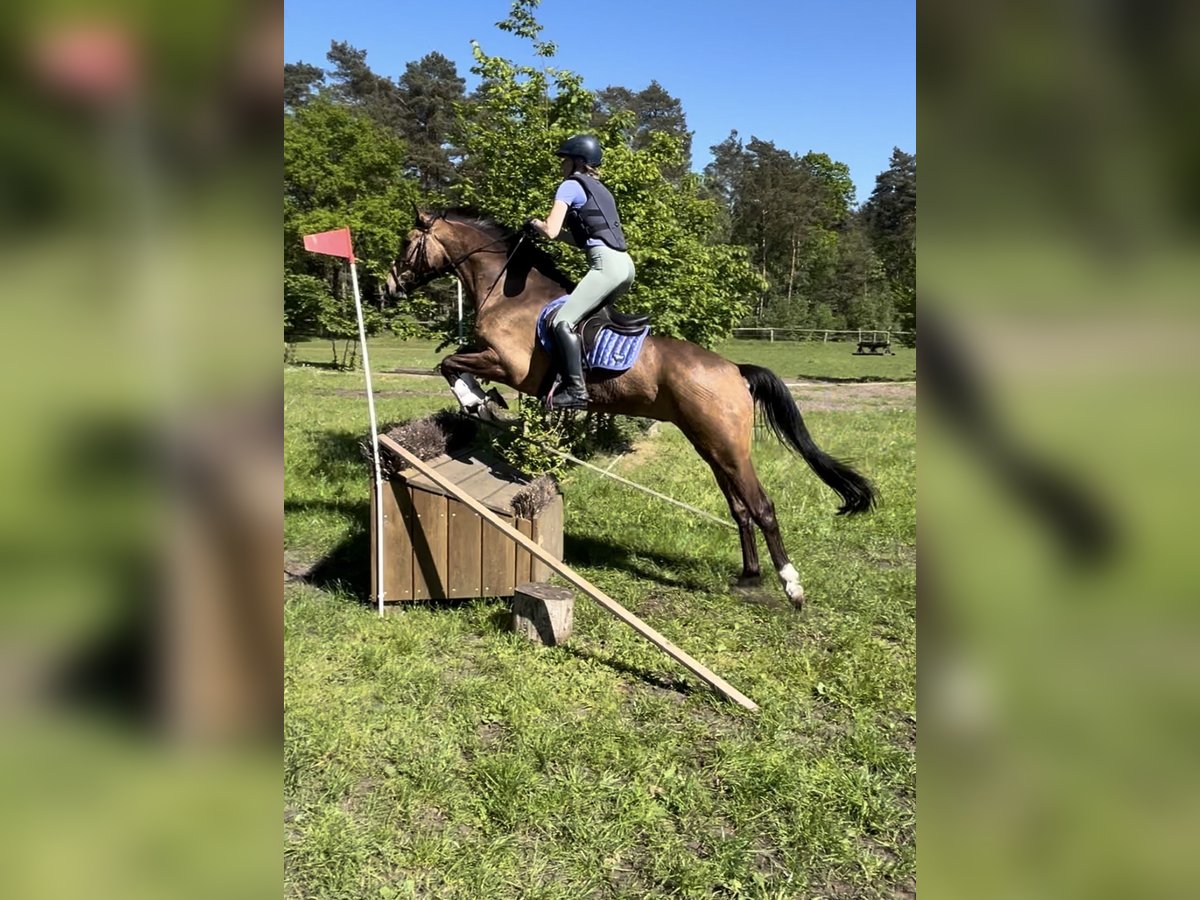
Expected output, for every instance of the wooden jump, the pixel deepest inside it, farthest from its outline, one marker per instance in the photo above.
(708, 677)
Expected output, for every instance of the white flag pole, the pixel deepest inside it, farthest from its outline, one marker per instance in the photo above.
(362, 338)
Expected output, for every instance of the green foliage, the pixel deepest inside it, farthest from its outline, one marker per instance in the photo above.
(299, 81)
(891, 220)
(304, 298)
(765, 237)
(521, 114)
(536, 431)
(654, 110)
(429, 89)
(794, 215)
(522, 23)
(341, 169)
(354, 86)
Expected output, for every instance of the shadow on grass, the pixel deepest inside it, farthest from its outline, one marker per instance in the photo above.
(338, 447)
(313, 364)
(347, 567)
(857, 379)
(662, 570)
(651, 679)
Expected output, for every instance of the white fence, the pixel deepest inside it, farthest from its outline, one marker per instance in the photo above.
(817, 334)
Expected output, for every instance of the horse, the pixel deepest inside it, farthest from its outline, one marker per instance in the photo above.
(509, 279)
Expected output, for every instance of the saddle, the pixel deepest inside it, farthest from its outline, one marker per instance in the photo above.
(621, 323)
(612, 340)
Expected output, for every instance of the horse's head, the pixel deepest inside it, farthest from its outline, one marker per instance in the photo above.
(422, 257)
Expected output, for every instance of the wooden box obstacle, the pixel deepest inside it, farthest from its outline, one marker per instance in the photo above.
(555, 563)
(438, 548)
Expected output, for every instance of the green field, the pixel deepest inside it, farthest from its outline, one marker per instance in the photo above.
(798, 360)
(432, 754)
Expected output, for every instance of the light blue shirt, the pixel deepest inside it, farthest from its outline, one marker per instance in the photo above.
(572, 193)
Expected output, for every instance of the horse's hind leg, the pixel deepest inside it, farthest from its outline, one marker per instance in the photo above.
(765, 517)
(727, 451)
(744, 481)
(751, 572)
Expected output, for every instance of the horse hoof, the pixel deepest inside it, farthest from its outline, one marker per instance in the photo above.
(497, 399)
(795, 593)
(748, 581)
(791, 585)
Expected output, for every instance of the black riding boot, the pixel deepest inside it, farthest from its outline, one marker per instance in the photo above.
(571, 392)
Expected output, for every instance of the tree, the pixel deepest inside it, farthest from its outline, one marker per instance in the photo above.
(299, 80)
(794, 215)
(521, 114)
(354, 85)
(654, 110)
(890, 216)
(429, 91)
(341, 168)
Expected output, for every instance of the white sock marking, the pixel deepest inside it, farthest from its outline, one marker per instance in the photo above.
(791, 583)
(468, 392)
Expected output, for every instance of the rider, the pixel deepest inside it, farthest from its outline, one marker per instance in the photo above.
(587, 209)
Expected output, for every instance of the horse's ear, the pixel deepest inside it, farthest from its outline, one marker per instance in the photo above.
(422, 218)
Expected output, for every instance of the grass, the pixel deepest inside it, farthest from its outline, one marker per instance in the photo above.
(433, 754)
(799, 360)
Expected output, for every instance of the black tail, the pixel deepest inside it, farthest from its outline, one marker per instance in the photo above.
(783, 417)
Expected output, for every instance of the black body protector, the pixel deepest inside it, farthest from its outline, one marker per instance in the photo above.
(597, 218)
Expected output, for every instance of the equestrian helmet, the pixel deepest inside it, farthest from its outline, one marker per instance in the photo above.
(585, 146)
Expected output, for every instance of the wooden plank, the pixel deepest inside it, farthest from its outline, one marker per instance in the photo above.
(501, 499)
(398, 566)
(524, 558)
(498, 560)
(497, 496)
(429, 544)
(610, 605)
(464, 554)
(480, 483)
(454, 469)
(375, 546)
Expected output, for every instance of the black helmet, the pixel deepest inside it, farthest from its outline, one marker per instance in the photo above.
(584, 146)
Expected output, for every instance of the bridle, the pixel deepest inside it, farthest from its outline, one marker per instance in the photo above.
(422, 257)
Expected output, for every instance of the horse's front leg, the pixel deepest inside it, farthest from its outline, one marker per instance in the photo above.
(461, 371)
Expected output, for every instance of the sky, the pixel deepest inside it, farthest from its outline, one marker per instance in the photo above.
(830, 76)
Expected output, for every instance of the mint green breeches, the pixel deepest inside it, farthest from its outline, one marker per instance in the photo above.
(610, 273)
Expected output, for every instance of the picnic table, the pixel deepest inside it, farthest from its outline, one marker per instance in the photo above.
(874, 347)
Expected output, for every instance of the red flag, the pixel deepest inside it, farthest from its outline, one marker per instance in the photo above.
(331, 243)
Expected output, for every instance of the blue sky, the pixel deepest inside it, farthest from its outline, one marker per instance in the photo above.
(836, 77)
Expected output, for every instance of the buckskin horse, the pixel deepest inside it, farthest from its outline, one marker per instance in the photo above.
(710, 399)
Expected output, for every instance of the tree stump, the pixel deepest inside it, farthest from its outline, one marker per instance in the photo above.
(543, 613)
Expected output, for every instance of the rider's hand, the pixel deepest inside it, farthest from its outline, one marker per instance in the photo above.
(535, 228)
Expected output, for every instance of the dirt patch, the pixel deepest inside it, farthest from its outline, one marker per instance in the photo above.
(430, 820)
(823, 397)
(768, 859)
(356, 392)
(490, 734)
(298, 565)
(643, 450)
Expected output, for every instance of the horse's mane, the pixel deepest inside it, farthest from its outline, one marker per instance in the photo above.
(529, 254)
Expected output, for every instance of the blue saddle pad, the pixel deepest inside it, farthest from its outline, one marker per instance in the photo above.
(609, 351)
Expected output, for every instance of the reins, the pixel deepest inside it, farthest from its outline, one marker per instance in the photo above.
(504, 268)
(454, 263)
